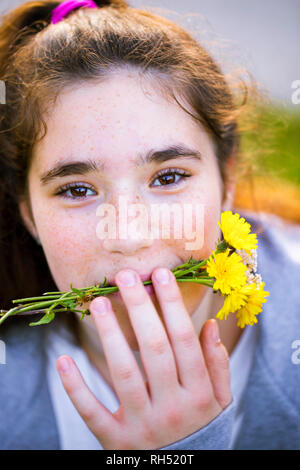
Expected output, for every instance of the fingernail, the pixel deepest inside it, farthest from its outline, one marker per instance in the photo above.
(216, 334)
(100, 305)
(64, 365)
(127, 278)
(162, 276)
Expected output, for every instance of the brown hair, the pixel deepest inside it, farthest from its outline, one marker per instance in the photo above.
(37, 60)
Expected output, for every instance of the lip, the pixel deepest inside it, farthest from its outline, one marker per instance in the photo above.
(143, 277)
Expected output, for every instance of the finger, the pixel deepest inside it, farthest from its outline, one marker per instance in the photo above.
(125, 372)
(156, 352)
(184, 340)
(99, 420)
(217, 360)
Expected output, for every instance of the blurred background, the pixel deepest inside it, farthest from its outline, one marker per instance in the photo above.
(264, 38)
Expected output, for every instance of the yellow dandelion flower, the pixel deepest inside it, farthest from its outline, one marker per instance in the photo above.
(228, 270)
(255, 298)
(232, 303)
(236, 232)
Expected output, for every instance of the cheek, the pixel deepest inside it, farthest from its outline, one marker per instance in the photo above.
(211, 229)
(69, 245)
(200, 232)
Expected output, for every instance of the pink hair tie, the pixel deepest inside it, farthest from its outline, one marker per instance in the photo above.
(65, 7)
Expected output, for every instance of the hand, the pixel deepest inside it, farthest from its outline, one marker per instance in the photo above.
(188, 380)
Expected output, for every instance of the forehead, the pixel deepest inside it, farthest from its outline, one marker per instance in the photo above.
(116, 118)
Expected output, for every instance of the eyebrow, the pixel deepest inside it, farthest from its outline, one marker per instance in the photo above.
(152, 156)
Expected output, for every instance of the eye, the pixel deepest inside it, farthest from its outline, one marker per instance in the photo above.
(170, 176)
(75, 190)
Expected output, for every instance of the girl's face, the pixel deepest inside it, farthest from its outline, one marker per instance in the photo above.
(116, 124)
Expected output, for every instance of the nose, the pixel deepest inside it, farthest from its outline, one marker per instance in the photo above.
(127, 247)
(127, 227)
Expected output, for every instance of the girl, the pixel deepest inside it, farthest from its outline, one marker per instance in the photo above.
(105, 102)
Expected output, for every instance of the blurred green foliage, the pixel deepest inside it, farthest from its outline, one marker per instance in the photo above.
(273, 145)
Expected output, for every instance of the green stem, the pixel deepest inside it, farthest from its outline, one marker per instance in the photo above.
(191, 269)
(34, 298)
(59, 301)
(54, 293)
(54, 299)
(36, 306)
(8, 314)
(182, 266)
(198, 280)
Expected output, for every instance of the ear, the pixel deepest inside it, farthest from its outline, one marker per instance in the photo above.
(228, 200)
(27, 217)
(229, 186)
